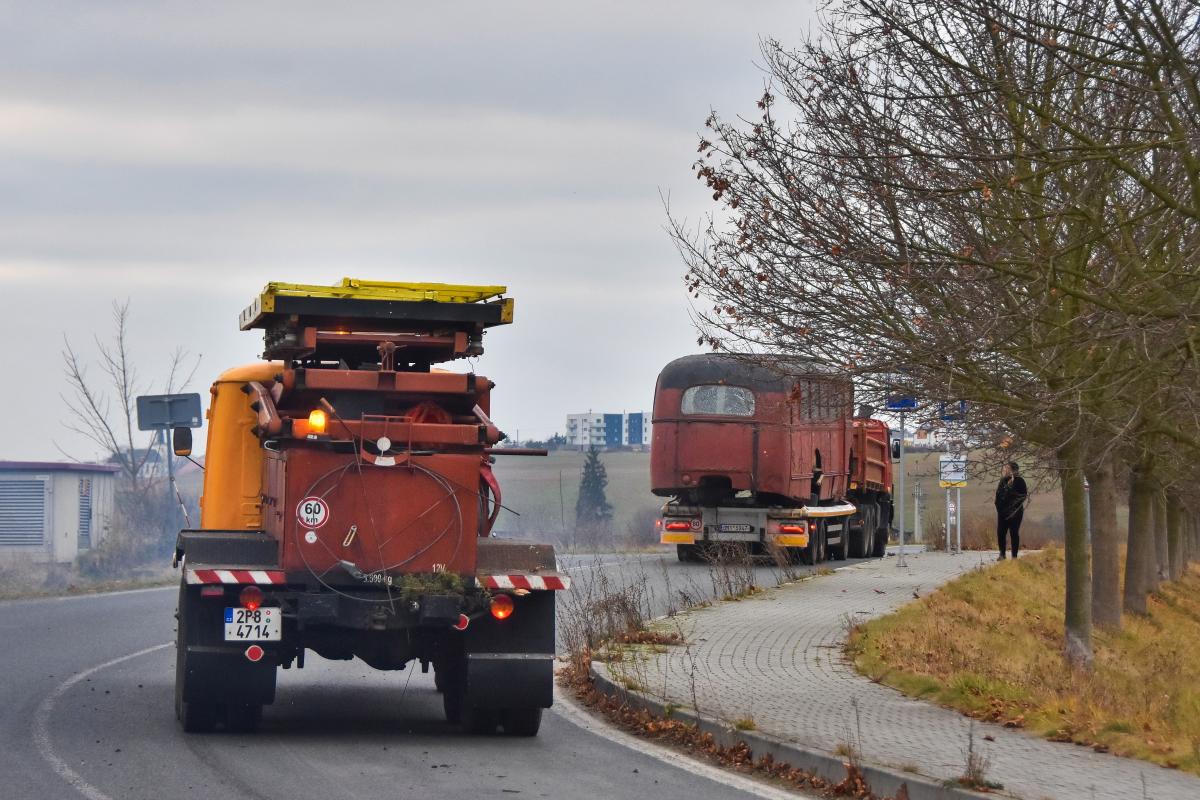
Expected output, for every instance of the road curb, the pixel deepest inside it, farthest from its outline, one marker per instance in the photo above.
(882, 780)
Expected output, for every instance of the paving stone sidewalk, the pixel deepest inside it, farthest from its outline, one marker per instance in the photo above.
(777, 659)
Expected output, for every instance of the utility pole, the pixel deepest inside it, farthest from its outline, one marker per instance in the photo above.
(917, 497)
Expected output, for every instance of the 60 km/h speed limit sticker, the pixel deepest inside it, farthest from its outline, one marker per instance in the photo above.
(313, 512)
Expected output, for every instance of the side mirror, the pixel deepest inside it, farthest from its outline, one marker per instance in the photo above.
(182, 438)
(895, 449)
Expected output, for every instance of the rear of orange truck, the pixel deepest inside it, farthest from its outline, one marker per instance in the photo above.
(347, 510)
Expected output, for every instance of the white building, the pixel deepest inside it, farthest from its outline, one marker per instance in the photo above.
(600, 430)
(51, 511)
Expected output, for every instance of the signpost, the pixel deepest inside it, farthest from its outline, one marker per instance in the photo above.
(952, 470)
(162, 413)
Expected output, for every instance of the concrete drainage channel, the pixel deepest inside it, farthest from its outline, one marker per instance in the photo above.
(882, 780)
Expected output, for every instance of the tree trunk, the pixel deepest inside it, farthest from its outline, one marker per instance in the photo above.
(1162, 553)
(1077, 645)
(1140, 551)
(1174, 536)
(1106, 547)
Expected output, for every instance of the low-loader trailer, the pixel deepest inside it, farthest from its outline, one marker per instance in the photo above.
(347, 509)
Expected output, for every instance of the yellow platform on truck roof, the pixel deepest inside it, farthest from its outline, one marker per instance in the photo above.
(357, 298)
(357, 289)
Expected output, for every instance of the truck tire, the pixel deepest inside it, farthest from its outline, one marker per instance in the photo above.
(882, 524)
(480, 721)
(242, 718)
(194, 717)
(689, 553)
(814, 552)
(456, 709)
(858, 544)
(862, 539)
(521, 721)
(837, 552)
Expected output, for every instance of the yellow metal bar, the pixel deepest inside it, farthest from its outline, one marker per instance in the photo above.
(357, 289)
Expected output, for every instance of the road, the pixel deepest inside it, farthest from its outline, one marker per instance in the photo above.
(86, 702)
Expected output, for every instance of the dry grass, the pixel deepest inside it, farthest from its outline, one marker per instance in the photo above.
(989, 644)
(22, 579)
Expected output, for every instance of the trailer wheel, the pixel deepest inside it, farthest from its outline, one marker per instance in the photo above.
(521, 721)
(837, 552)
(689, 553)
(857, 545)
(194, 717)
(814, 551)
(881, 531)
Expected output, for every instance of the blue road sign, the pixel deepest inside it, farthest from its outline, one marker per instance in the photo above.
(901, 404)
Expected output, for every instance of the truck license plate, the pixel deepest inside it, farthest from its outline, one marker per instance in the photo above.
(257, 625)
(735, 527)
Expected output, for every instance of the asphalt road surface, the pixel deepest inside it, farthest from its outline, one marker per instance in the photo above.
(86, 710)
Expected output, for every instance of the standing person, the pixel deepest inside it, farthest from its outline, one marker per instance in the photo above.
(1010, 507)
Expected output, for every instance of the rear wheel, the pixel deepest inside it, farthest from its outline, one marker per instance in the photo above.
(882, 523)
(858, 544)
(521, 721)
(837, 552)
(243, 718)
(481, 721)
(194, 717)
(689, 553)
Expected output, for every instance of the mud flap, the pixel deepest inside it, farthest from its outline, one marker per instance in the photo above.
(510, 680)
(217, 674)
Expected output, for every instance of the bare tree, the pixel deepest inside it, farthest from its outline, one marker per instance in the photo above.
(946, 207)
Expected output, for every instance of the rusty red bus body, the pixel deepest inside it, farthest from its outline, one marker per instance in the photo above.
(736, 436)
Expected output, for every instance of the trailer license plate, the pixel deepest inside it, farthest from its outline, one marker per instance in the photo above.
(735, 527)
(257, 625)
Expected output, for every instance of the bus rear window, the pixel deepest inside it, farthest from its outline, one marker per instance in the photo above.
(727, 401)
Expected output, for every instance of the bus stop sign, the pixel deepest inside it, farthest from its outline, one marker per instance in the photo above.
(953, 471)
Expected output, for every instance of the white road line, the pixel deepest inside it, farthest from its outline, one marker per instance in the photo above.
(41, 724)
(567, 708)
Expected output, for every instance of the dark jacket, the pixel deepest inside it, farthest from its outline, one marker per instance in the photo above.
(1010, 496)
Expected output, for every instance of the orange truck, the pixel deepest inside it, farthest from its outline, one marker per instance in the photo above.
(347, 509)
(767, 454)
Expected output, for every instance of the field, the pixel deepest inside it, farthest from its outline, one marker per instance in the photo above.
(989, 644)
(542, 493)
(1043, 516)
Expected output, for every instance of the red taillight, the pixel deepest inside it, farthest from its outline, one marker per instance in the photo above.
(679, 525)
(463, 622)
(251, 597)
(212, 591)
(790, 528)
(502, 606)
(812, 527)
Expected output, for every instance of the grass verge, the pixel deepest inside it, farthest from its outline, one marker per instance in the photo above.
(989, 645)
(24, 580)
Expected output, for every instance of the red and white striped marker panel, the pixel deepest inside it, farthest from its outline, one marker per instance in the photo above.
(256, 576)
(551, 582)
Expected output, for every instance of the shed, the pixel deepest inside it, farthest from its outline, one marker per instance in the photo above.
(51, 511)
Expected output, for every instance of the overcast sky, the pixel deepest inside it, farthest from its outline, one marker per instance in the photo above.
(180, 155)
